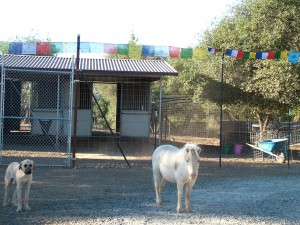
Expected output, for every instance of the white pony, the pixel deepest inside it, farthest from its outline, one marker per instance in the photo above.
(175, 165)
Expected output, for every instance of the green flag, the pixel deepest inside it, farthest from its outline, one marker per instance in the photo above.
(277, 55)
(186, 53)
(56, 47)
(246, 55)
(122, 49)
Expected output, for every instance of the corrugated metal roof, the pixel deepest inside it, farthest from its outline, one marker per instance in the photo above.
(95, 66)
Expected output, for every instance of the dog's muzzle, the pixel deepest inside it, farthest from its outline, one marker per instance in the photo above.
(27, 171)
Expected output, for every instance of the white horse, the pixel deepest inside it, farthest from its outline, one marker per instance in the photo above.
(175, 165)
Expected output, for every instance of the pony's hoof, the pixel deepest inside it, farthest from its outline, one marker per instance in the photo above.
(158, 202)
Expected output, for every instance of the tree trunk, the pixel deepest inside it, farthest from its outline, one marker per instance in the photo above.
(263, 121)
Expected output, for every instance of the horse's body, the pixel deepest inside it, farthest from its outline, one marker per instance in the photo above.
(175, 165)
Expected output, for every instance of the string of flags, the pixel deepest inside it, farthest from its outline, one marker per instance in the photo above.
(292, 56)
(51, 48)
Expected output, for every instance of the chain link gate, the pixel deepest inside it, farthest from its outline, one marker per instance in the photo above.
(36, 116)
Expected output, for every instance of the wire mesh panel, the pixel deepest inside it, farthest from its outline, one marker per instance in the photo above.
(120, 116)
(185, 121)
(36, 116)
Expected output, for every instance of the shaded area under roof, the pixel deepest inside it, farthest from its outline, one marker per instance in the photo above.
(96, 69)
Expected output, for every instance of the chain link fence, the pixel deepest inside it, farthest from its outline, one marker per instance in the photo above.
(36, 113)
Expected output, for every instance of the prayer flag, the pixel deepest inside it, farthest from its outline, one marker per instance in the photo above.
(148, 50)
(43, 48)
(174, 52)
(246, 55)
(161, 51)
(252, 55)
(264, 55)
(277, 55)
(109, 48)
(56, 47)
(84, 47)
(15, 48)
(228, 52)
(96, 47)
(4, 46)
(123, 49)
(294, 57)
(214, 50)
(70, 47)
(284, 54)
(271, 55)
(186, 53)
(234, 53)
(240, 54)
(29, 48)
(258, 55)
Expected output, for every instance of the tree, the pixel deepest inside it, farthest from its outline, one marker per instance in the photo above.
(34, 36)
(257, 25)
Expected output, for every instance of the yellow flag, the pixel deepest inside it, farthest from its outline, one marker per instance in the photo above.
(252, 55)
(284, 55)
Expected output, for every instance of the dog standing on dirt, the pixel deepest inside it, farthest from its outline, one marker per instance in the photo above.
(21, 173)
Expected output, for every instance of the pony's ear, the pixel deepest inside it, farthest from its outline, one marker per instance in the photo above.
(198, 150)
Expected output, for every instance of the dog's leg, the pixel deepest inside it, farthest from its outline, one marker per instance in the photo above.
(18, 196)
(7, 186)
(27, 189)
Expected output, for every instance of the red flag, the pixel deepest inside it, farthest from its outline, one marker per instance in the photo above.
(43, 48)
(109, 48)
(174, 52)
(240, 54)
(271, 55)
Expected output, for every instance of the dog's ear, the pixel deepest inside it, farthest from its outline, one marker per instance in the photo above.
(33, 166)
(20, 166)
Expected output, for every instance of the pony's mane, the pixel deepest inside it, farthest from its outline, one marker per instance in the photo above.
(190, 145)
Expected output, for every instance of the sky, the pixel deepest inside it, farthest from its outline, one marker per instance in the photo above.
(156, 22)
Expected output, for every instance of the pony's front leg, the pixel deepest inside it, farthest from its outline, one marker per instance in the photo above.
(188, 190)
(180, 193)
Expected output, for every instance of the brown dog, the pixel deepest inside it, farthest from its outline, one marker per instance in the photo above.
(21, 173)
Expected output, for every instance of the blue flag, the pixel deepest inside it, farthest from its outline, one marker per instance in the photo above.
(294, 57)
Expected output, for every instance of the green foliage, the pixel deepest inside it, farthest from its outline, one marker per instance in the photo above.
(106, 97)
(256, 89)
(33, 37)
(261, 87)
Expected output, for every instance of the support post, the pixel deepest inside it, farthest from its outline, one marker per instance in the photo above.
(289, 139)
(159, 115)
(221, 111)
(76, 90)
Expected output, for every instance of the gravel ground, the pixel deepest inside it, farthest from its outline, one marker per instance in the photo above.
(242, 191)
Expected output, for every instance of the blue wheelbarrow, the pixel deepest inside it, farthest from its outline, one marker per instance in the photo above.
(273, 147)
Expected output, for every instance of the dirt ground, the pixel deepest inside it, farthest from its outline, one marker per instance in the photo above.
(103, 191)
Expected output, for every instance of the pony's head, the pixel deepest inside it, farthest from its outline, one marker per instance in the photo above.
(192, 158)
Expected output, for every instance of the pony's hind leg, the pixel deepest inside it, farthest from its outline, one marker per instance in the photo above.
(159, 183)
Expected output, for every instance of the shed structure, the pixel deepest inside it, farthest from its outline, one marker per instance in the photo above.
(37, 102)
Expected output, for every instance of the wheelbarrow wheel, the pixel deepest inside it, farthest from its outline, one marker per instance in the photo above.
(280, 158)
